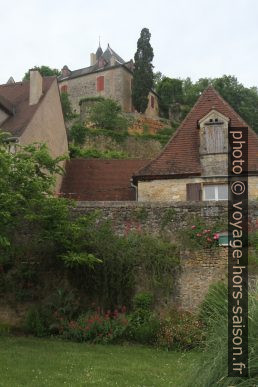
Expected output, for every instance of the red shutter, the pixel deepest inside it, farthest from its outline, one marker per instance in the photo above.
(152, 102)
(193, 192)
(100, 83)
(64, 89)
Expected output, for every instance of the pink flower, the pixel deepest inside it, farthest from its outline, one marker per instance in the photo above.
(198, 234)
(216, 236)
(193, 227)
(209, 239)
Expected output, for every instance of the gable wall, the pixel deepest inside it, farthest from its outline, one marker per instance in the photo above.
(47, 126)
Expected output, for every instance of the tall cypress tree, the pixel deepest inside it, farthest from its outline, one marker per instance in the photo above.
(143, 77)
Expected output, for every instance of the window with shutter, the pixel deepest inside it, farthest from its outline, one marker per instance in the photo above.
(100, 83)
(64, 89)
(215, 138)
(194, 192)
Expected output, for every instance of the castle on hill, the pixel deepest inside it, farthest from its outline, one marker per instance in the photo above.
(107, 76)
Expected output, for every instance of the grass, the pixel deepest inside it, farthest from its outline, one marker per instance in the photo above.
(51, 362)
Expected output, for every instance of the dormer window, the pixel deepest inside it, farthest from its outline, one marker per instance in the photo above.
(213, 133)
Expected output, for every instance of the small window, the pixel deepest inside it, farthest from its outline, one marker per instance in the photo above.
(64, 89)
(100, 83)
(152, 102)
(216, 192)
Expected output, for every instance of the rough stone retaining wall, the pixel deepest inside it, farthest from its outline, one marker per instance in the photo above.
(198, 268)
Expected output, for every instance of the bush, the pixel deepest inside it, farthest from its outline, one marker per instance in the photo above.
(143, 323)
(76, 152)
(37, 322)
(97, 327)
(107, 114)
(78, 134)
(181, 330)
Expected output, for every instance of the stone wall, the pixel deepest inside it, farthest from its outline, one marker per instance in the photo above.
(199, 268)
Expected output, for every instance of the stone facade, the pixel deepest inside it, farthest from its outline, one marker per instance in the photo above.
(108, 76)
(117, 86)
(174, 190)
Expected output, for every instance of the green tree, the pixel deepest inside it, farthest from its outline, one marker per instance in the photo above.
(107, 114)
(143, 78)
(36, 225)
(170, 91)
(45, 71)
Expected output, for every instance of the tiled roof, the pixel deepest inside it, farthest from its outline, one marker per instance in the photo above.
(181, 154)
(17, 95)
(100, 180)
(106, 56)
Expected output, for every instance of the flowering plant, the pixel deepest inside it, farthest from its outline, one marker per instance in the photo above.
(200, 236)
(97, 327)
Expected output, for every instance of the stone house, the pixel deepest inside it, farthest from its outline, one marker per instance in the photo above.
(31, 112)
(107, 76)
(193, 165)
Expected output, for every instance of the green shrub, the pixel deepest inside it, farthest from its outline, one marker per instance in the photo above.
(107, 114)
(37, 322)
(143, 301)
(77, 152)
(77, 134)
(143, 323)
(181, 330)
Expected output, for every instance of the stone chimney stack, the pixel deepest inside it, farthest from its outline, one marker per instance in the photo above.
(92, 59)
(36, 86)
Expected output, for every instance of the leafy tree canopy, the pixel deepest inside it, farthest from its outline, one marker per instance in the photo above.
(45, 71)
(36, 225)
(107, 114)
(185, 92)
(143, 78)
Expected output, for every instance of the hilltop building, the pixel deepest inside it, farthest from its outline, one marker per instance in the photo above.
(108, 76)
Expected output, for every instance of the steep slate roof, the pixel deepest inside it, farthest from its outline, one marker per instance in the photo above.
(181, 154)
(106, 55)
(95, 179)
(16, 95)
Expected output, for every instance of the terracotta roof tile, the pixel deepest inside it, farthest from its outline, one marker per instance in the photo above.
(100, 180)
(181, 154)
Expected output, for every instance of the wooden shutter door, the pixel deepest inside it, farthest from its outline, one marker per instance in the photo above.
(193, 192)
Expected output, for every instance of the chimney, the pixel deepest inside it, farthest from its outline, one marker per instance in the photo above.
(36, 85)
(112, 60)
(92, 59)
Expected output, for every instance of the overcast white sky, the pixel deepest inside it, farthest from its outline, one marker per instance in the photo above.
(196, 38)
